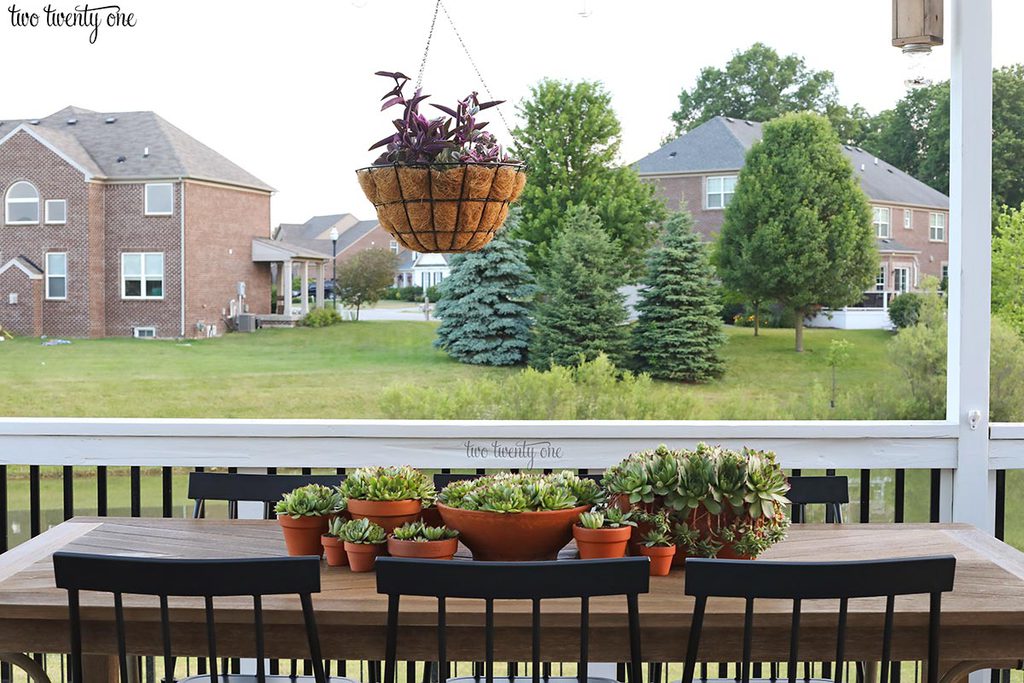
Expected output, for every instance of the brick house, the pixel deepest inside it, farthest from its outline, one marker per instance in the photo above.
(911, 219)
(354, 235)
(121, 224)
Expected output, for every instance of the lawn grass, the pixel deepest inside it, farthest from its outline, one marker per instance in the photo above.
(341, 371)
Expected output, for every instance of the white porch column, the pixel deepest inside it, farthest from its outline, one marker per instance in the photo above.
(321, 273)
(284, 287)
(304, 296)
(970, 258)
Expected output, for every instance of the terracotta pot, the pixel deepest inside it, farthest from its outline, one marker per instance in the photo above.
(661, 558)
(388, 513)
(424, 550)
(728, 553)
(362, 556)
(334, 551)
(431, 516)
(601, 543)
(512, 537)
(302, 535)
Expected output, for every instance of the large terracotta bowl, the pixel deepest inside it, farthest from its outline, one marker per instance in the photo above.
(512, 537)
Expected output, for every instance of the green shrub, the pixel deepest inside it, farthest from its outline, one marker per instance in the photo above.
(905, 310)
(594, 390)
(321, 317)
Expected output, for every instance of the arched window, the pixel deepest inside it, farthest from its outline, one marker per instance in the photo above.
(22, 204)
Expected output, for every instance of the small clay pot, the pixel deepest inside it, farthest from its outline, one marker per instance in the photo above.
(334, 551)
(729, 553)
(601, 543)
(302, 535)
(512, 537)
(387, 513)
(362, 556)
(424, 550)
(661, 558)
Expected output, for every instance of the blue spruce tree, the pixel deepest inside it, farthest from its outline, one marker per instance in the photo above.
(484, 305)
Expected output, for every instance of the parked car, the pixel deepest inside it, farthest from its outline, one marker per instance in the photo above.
(328, 290)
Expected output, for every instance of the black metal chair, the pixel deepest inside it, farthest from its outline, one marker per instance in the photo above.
(491, 581)
(831, 491)
(798, 581)
(258, 488)
(209, 579)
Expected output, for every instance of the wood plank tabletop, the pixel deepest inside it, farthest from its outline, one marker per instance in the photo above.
(983, 618)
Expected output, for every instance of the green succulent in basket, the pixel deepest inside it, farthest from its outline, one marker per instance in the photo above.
(730, 484)
(513, 493)
(388, 483)
(418, 531)
(362, 531)
(630, 478)
(766, 485)
(608, 518)
(663, 471)
(695, 479)
(334, 528)
(312, 500)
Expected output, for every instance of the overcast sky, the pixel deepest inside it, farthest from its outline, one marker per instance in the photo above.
(285, 89)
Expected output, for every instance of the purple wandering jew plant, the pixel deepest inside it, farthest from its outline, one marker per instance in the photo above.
(456, 137)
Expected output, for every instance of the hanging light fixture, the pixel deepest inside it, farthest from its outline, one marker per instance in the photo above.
(916, 29)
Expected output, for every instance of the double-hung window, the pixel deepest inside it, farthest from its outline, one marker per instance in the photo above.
(880, 280)
(908, 219)
(937, 227)
(142, 275)
(159, 199)
(720, 190)
(56, 276)
(882, 222)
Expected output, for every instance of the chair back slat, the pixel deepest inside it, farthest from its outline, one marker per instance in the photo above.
(794, 641)
(256, 488)
(391, 639)
(535, 653)
(122, 650)
(798, 581)
(261, 650)
(748, 638)
(844, 607)
(493, 581)
(934, 612)
(442, 639)
(165, 578)
(211, 639)
(633, 609)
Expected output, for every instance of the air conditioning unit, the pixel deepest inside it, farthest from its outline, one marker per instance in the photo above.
(246, 322)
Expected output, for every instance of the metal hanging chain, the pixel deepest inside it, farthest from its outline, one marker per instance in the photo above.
(473, 64)
(426, 50)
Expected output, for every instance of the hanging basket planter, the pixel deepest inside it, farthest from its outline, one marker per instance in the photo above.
(443, 207)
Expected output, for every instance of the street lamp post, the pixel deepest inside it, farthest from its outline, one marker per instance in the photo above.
(334, 261)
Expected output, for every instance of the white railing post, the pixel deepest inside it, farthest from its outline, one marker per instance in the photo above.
(970, 257)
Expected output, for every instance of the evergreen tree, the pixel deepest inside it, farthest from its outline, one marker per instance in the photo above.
(484, 306)
(798, 230)
(570, 138)
(582, 313)
(679, 333)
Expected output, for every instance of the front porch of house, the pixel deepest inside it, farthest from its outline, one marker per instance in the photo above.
(289, 261)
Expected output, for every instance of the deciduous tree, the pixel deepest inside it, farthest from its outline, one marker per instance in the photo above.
(364, 278)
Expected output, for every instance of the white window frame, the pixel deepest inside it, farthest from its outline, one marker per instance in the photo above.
(720, 192)
(908, 219)
(62, 202)
(145, 199)
(145, 328)
(47, 275)
(934, 229)
(144, 277)
(8, 200)
(393, 246)
(880, 279)
(877, 222)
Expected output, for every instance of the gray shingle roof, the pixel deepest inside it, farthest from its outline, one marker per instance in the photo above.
(112, 146)
(722, 143)
(313, 233)
(889, 244)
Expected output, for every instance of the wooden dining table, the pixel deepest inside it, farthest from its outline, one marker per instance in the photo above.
(982, 619)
